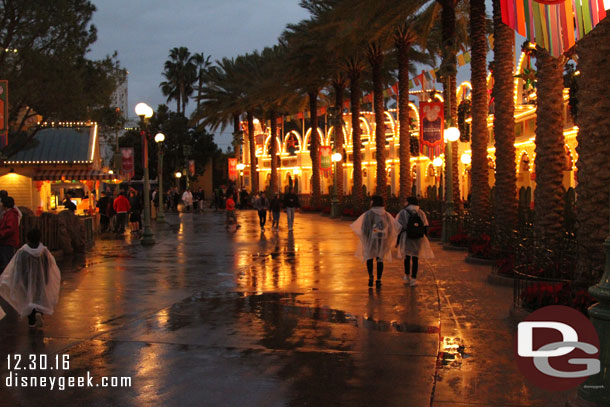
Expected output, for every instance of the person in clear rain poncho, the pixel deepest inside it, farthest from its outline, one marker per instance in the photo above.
(377, 231)
(30, 283)
(412, 241)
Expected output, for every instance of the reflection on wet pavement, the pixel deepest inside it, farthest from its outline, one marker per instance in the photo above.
(207, 317)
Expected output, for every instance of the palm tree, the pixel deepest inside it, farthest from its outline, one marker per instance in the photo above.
(202, 63)
(354, 67)
(593, 148)
(339, 82)
(180, 74)
(504, 124)
(550, 150)
(480, 169)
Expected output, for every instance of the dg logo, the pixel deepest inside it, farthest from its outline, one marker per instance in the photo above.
(557, 348)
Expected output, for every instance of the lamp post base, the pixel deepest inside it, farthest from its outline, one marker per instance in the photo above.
(148, 238)
(334, 208)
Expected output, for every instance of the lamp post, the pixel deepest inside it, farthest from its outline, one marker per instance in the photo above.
(334, 202)
(145, 112)
(159, 139)
(451, 134)
(240, 167)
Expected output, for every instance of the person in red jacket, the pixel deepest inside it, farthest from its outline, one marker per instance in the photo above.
(230, 208)
(121, 207)
(9, 232)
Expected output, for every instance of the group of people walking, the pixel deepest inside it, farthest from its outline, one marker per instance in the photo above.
(380, 233)
(115, 212)
(29, 276)
(290, 202)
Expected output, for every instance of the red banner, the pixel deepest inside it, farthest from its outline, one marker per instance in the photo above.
(432, 124)
(3, 113)
(233, 169)
(326, 153)
(192, 168)
(128, 168)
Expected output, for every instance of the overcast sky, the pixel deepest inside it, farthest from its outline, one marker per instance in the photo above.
(143, 32)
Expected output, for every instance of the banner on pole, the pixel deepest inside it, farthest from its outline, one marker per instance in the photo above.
(431, 128)
(233, 169)
(192, 168)
(326, 153)
(127, 167)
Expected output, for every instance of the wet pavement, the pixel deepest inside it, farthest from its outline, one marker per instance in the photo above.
(208, 317)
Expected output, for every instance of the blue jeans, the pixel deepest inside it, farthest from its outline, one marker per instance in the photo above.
(6, 254)
(276, 219)
(290, 217)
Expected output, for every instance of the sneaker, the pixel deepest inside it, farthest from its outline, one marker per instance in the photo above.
(413, 282)
(406, 278)
(39, 320)
(370, 281)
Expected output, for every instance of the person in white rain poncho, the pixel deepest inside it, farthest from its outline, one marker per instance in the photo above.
(30, 282)
(412, 242)
(377, 231)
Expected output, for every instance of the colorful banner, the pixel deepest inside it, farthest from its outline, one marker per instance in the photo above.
(326, 153)
(432, 124)
(233, 169)
(3, 113)
(192, 168)
(127, 168)
(555, 25)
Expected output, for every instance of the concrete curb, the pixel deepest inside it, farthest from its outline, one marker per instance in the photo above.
(449, 247)
(497, 279)
(475, 260)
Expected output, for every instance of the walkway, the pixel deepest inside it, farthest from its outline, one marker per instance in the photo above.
(211, 318)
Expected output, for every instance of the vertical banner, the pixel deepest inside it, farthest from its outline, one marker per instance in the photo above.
(325, 158)
(431, 128)
(233, 169)
(127, 168)
(3, 113)
(192, 168)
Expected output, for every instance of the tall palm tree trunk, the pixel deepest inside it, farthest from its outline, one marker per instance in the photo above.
(506, 204)
(236, 138)
(449, 72)
(338, 125)
(355, 93)
(376, 61)
(403, 46)
(593, 148)
(252, 143)
(550, 153)
(315, 148)
(274, 152)
(480, 179)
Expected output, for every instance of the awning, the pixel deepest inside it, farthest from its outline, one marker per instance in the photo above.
(68, 175)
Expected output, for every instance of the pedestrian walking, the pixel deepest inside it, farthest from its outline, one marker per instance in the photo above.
(377, 230)
(412, 240)
(187, 199)
(104, 206)
(276, 207)
(201, 198)
(291, 202)
(30, 283)
(9, 231)
(231, 219)
(135, 211)
(121, 207)
(261, 204)
(3, 194)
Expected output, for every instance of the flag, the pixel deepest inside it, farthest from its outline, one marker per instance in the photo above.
(467, 57)
(460, 60)
(395, 88)
(346, 104)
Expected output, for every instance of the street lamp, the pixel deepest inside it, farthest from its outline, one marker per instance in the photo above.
(334, 202)
(145, 112)
(451, 134)
(240, 167)
(159, 139)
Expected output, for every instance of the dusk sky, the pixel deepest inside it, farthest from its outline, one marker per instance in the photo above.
(143, 32)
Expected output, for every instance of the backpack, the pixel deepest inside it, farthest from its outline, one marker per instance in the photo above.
(415, 226)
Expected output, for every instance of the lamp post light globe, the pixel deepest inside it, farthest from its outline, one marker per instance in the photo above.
(438, 161)
(143, 110)
(452, 134)
(336, 157)
(178, 174)
(466, 159)
(241, 166)
(146, 112)
(160, 137)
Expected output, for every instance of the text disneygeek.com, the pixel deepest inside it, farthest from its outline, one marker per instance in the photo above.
(19, 366)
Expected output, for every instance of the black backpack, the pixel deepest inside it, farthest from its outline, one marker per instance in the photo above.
(415, 226)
